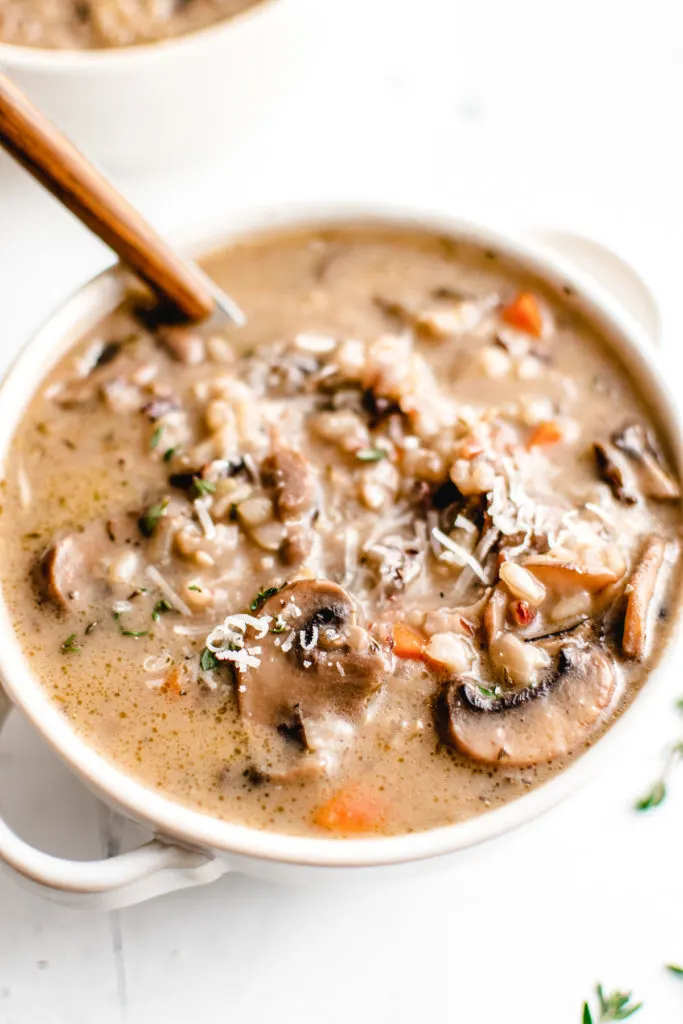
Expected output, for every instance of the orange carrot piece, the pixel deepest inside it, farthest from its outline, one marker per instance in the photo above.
(545, 433)
(174, 686)
(350, 810)
(524, 313)
(407, 642)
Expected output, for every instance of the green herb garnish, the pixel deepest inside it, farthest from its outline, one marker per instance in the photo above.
(613, 1007)
(674, 968)
(371, 454)
(71, 645)
(654, 798)
(208, 660)
(616, 1005)
(156, 437)
(136, 633)
(193, 586)
(659, 790)
(169, 453)
(262, 597)
(160, 607)
(149, 520)
(200, 487)
(90, 627)
(279, 626)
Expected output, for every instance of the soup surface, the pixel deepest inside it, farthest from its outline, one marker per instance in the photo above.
(388, 556)
(97, 24)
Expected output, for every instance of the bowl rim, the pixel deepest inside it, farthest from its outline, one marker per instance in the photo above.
(36, 58)
(197, 829)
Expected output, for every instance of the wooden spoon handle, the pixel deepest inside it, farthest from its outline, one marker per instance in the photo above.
(46, 154)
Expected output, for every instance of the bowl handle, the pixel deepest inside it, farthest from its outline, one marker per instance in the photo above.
(156, 868)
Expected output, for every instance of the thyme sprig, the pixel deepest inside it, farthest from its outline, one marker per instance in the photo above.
(611, 1007)
(659, 789)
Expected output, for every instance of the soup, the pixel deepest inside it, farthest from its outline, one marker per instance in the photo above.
(99, 24)
(391, 554)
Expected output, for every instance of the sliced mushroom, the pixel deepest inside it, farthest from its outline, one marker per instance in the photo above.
(287, 473)
(74, 568)
(536, 724)
(315, 676)
(565, 577)
(636, 442)
(297, 544)
(641, 590)
(612, 471)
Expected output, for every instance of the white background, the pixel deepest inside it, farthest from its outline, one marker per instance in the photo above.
(531, 112)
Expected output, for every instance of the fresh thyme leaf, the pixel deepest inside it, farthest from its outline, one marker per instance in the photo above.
(160, 607)
(613, 1007)
(156, 437)
(169, 453)
(371, 454)
(71, 644)
(262, 597)
(135, 632)
(193, 586)
(654, 798)
(208, 660)
(149, 519)
(675, 969)
(200, 487)
(485, 691)
(279, 626)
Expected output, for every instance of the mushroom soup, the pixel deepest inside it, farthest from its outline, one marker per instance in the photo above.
(99, 24)
(388, 556)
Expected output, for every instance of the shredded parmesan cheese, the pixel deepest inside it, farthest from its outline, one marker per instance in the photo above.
(167, 590)
(205, 520)
(462, 557)
(312, 642)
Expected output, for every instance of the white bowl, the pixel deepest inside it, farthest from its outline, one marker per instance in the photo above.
(193, 847)
(177, 101)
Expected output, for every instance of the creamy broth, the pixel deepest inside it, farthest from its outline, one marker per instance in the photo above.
(390, 555)
(99, 24)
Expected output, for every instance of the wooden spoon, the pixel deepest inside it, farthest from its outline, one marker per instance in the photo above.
(56, 163)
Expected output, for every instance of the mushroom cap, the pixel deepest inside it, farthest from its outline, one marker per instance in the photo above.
(288, 474)
(566, 578)
(640, 597)
(544, 725)
(73, 569)
(313, 681)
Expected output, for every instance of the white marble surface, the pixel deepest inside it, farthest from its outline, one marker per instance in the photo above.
(526, 113)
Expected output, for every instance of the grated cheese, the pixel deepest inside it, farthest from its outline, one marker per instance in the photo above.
(313, 641)
(287, 645)
(205, 520)
(463, 556)
(464, 524)
(167, 590)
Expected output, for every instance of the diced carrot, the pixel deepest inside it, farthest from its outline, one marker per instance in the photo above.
(350, 810)
(545, 433)
(174, 685)
(524, 313)
(407, 642)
